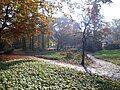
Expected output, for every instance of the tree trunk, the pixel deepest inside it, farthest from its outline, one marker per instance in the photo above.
(48, 42)
(38, 42)
(83, 48)
(32, 44)
(23, 43)
(83, 52)
(58, 46)
(43, 40)
(83, 45)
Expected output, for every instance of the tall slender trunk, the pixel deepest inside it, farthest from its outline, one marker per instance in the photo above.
(23, 43)
(58, 46)
(83, 47)
(38, 42)
(32, 44)
(43, 40)
(83, 51)
(48, 42)
(84, 43)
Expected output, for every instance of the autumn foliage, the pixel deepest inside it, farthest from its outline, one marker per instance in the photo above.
(12, 57)
(22, 19)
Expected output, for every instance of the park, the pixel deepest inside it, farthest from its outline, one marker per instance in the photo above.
(58, 45)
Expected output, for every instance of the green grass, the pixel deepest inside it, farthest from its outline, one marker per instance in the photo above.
(30, 75)
(68, 57)
(54, 56)
(109, 55)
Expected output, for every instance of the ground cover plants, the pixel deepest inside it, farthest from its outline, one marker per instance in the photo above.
(34, 75)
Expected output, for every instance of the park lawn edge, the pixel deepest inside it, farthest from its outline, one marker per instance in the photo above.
(112, 56)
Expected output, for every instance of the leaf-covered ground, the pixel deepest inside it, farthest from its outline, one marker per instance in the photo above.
(109, 55)
(12, 57)
(30, 75)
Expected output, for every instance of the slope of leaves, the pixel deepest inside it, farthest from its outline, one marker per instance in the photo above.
(29, 75)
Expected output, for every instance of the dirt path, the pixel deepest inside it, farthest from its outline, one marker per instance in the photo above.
(100, 67)
(105, 68)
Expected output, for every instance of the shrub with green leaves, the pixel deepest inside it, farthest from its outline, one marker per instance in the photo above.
(68, 55)
(30, 75)
(77, 57)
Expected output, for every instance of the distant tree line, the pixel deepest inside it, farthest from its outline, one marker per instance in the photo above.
(112, 40)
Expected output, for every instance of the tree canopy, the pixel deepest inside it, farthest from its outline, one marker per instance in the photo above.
(22, 17)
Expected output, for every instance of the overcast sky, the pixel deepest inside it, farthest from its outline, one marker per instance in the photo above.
(110, 11)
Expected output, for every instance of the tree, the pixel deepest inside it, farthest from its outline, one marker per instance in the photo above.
(21, 19)
(64, 31)
(88, 19)
(14, 18)
(115, 31)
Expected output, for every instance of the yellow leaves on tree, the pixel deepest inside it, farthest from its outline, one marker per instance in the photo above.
(22, 18)
(106, 29)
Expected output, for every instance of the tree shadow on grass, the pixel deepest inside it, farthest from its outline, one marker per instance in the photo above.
(6, 65)
(87, 70)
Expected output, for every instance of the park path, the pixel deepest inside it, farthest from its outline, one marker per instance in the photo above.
(99, 67)
(105, 68)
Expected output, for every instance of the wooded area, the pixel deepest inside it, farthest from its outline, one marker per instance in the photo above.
(31, 26)
(41, 50)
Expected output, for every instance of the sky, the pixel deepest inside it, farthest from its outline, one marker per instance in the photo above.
(109, 11)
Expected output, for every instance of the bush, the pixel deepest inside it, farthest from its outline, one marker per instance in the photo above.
(68, 55)
(72, 49)
(9, 51)
(112, 46)
(93, 46)
(77, 57)
(63, 53)
(2, 45)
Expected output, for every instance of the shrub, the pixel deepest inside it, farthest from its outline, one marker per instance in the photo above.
(9, 51)
(72, 49)
(63, 53)
(77, 57)
(112, 46)
(68, 55)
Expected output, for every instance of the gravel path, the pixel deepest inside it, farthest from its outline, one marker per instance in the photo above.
(100, 67)
(105, 68)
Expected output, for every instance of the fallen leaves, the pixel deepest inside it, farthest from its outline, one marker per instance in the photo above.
(12, 57)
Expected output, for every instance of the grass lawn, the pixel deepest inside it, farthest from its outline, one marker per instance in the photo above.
(31, 75)
(68, 57)
(109, 55)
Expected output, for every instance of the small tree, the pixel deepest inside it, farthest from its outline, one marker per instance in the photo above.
(89, 18)
(115, 31)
